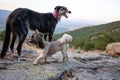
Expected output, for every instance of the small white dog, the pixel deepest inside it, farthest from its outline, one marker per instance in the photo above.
(51, 48)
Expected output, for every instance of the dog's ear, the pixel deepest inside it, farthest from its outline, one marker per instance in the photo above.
(41, 34)
(57, 8)
(36, 31)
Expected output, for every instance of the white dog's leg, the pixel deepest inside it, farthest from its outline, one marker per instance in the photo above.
(38, 59)
(64, 53)
(66, 56)
(42, 56)
(45, 59)
(62, 57)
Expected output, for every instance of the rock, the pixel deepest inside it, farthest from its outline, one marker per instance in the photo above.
(113, 49)
(77, 51)
(91, 74)
(78, 67)
(100, 69)
(31, 54)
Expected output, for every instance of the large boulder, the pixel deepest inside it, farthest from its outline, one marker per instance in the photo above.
(113, 49)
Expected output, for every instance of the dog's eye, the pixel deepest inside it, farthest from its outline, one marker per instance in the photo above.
(32, 36)
(41, 35)
(62, 9)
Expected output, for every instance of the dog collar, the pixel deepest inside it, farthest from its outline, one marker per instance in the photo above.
(55, 14)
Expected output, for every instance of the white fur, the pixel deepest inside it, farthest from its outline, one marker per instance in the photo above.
(52, 47)
(66, 38)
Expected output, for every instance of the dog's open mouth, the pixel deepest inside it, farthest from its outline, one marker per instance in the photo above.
(30, 39)
(65, 14)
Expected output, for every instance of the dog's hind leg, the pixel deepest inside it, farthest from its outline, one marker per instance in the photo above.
(62, 57)
(14, 36)
(45, 59)
(21, 40)
(22, 32)
(6, 40)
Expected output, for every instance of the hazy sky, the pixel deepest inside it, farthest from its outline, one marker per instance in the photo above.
(105, 10)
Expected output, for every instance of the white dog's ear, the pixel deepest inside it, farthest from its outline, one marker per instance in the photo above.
(70, 39)
(36, 31)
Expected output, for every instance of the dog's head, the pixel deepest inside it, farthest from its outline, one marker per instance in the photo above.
(61, 11)
(37, 38)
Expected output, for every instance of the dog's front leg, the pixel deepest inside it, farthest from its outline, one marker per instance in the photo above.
(42, 56)
(45, 59)
(62, 57)
(66, 56)
(66, 46)
(37, 59)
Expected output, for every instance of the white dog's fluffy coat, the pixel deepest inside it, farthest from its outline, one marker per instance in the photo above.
(52, 47)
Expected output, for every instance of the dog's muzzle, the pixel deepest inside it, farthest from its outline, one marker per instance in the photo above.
(69, 12)
(30, 40)
(66, 14)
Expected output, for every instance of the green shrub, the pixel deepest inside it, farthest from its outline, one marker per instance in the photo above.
(2, 34)
(88, 45)
(102, 41)
(99, 44)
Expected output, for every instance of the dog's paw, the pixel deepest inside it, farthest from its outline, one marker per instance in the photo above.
(35, 63)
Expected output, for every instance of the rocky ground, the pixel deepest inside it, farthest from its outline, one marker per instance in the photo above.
(80, 66)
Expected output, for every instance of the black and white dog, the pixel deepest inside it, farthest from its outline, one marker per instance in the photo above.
(21, 19)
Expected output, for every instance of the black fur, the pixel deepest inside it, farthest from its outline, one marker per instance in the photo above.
(18, 23)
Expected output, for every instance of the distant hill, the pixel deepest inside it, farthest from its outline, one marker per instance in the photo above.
(3, 17)
(95, 37)
(72, 24)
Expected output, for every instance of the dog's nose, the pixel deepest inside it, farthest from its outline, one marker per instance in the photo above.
(69, 11)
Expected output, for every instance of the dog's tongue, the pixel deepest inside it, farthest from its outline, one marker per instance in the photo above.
(65, 15)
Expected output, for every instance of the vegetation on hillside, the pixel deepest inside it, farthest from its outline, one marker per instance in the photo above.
(2, 35)
(94, 37)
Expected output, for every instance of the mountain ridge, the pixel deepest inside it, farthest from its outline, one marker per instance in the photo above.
(3, 17)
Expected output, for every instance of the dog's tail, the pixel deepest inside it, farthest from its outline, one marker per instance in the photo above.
(6, 41)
